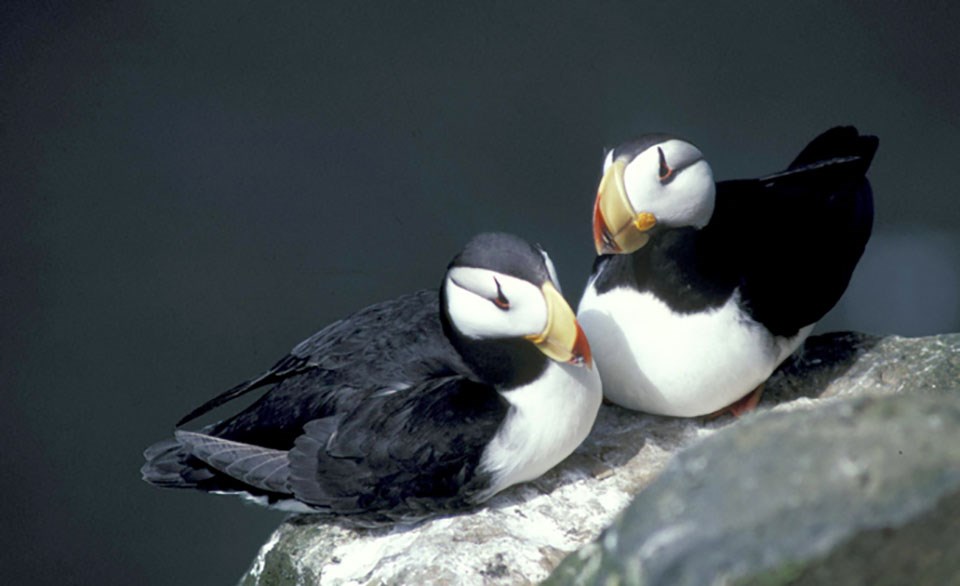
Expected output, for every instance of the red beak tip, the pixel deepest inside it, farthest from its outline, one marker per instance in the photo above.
(598, 225)
(581, 350)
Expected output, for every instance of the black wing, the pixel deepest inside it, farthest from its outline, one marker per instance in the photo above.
(796, 236)
(402, 455)
(395, 342)
(261, 469)
(395, 455)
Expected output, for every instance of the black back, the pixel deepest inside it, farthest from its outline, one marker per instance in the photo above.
(399, 397)
(388, 345)
(789, 241)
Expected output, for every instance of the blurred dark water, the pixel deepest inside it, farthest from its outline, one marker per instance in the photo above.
(188, 190)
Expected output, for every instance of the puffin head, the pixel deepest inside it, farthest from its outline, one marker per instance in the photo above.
(657, 180)
(503, 311)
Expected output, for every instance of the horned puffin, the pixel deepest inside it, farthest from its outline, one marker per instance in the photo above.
(422, 405)
(700, 289)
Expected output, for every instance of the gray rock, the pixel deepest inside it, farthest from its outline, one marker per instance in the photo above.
(847, 364)
(864, 485)
(520, 536)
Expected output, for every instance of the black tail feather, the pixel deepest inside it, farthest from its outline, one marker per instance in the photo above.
(256, 467)
(169, 465)
(839, 142)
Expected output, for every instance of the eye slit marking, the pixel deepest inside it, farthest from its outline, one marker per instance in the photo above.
(665, 172)
(501, 301)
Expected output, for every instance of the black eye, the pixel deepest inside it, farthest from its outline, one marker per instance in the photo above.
(665, 172)
(501, 301)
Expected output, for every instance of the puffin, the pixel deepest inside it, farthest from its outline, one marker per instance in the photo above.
(700, 288)
(423, 405)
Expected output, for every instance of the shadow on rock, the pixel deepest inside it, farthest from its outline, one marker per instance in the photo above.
(821, 360)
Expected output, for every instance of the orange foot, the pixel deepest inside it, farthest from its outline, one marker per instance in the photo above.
(741, 406)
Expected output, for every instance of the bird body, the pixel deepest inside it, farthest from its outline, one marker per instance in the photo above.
(702, 289)
(697, 363)
(421, 405)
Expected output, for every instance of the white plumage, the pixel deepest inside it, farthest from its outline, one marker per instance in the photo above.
(547, 420)
(676, 364)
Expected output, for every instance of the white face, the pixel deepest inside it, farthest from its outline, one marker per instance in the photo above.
(672, 181)
(486, 304)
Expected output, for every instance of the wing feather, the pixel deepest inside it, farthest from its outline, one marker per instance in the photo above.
(400, 453)
(796, 236)
(263, 468)
(389, 345)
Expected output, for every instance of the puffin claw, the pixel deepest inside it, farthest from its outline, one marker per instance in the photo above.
(741, 406)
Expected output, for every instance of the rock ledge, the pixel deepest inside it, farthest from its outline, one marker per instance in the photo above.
(522, 535)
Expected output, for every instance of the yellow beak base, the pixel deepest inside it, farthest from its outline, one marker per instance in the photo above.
(617, 228)
(562, 339)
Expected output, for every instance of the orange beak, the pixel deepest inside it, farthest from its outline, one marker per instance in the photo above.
(562, 339)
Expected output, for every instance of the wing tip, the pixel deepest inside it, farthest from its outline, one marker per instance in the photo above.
(224, 397)
(838, 143)
(167, 466)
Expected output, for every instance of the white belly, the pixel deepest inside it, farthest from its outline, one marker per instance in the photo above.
(654, 360)
(548, 419)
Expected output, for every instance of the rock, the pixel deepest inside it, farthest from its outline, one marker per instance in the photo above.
(869, 486)
(518, 537)
(521, 535)
(847, 364)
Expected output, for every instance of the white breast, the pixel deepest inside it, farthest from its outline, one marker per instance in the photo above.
(654, 360)
(548, 419)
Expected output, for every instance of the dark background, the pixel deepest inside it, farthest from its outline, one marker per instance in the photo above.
(187, 191)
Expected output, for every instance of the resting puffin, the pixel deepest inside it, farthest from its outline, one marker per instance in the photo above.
(701, 289)
(429, 403)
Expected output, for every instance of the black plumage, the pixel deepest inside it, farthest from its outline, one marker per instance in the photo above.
(789, 241)
(381, 416)
(385, 372)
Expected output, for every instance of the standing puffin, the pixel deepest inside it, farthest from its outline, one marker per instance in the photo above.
(422, 405)
(701, 289)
